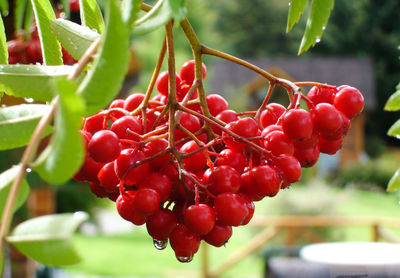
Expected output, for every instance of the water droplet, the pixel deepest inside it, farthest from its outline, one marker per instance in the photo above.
(323, 27)
(160, 244)
(28, 99)
(28, 170)
(185, 259)
(290, 3)
(318, 39)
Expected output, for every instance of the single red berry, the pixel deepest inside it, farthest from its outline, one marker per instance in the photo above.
(245, 127)
(160, 224)
(126, 209)
(349, 101)
(216, 104)
(94, 123)
(133, 101)
(219, 235)
(230, 209)
(321, 95)
(160, 183)
(232, 158)
(330, 147)
(117, 103)
(90, 169)
(195, 161)
(341, 132)
(265, 180)
(308, 143)
(227, 116)
(224, 179)
(289, 167)
(308, 157)
(127, 127)
(327, 119)
(107, 177)
(104, 146)
(127, 171)
(297, 124)
(271, 114)
(162, 82)
(278, 143)
(187, 72)
(147, 201)
(184, 242)
(250, 207)
(248, 188)
(189, 122)
(200, 219)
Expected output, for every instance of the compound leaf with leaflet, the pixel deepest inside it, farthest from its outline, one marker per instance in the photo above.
(48, 239)
(316, 22)
(394, 183)
(75, 38)
(104, 80)
(91, 15)
(31, 81)
(394, 130)
(393, 103)
(18, 122)
(296, 10)
(65, 154)
(51, 48)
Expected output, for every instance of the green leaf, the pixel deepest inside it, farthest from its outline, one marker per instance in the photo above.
(31, 81)
(3, 44)
(393, 103)
(18, 122)
(162, 12)
(130, 10)
(19, 11)
(316, 22)
(394, 130)
(51, 48)
(104, 81)
(296, 10)
(91, 15)
(394, 183)
(48, 239)
(28, 18)
(75, 38)
(6, 179)
(65, 154)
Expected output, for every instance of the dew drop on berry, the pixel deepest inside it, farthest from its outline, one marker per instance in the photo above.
(160, 244)
(185, 259)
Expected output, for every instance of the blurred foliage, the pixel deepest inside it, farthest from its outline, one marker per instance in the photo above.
(357, 28)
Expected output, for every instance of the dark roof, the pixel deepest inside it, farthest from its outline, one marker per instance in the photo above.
(356, 72)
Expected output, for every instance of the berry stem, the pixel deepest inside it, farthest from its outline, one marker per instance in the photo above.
(265, 102)
(313, 83)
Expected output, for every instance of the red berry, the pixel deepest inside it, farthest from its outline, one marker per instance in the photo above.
(308, 157)
(227, 116)
(184, 242)
(162, 83)
(160, 183)
(341, 132)
(91, 168)
(330, 147)
(230, 209)
(326, 118)
(147, 201)
(97, 189)
(248, 188)
(127, 127)
(224, 179)
(290, 168)
(196, 161)
(104, 146)
(278, 143)
(321, 95)
(219, 235)
(297, 124)
(133, 101)
(308, 143)
(232, 158)
(160, 224)
(250, 207)
(271, 114)
(94, 123)
(216, 104)
(200, 219)
(187, 72)
(126, 209)
(125, 167)
(349, 101)
(245, 127)
(107, 177)
(265, 180)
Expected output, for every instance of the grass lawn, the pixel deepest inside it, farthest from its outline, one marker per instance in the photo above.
(132, 254)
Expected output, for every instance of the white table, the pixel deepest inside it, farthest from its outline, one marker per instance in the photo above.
(356, 259)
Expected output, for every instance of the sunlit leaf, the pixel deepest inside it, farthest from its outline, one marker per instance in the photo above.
(48, 239)
(28, 17)
(31, 81)
(18, 122)
(4, 6)
(394, 183)
(296, 10)
(6, 179)
(75, 38)
(104, 81)
(65, 154)
(394, 130)
(51, 48)
(316, 22)
(162, 12)
(91, 15)
(3, 44)
(393, 103)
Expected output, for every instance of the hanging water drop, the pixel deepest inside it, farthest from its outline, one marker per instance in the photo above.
(29, 100)
(160, 244)
(28, 170)
(318, 39)
(290, 3)
(185, 259)
(323, 28)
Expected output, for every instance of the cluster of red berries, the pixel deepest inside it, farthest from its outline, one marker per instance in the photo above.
(211, 182)
(27, 50)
